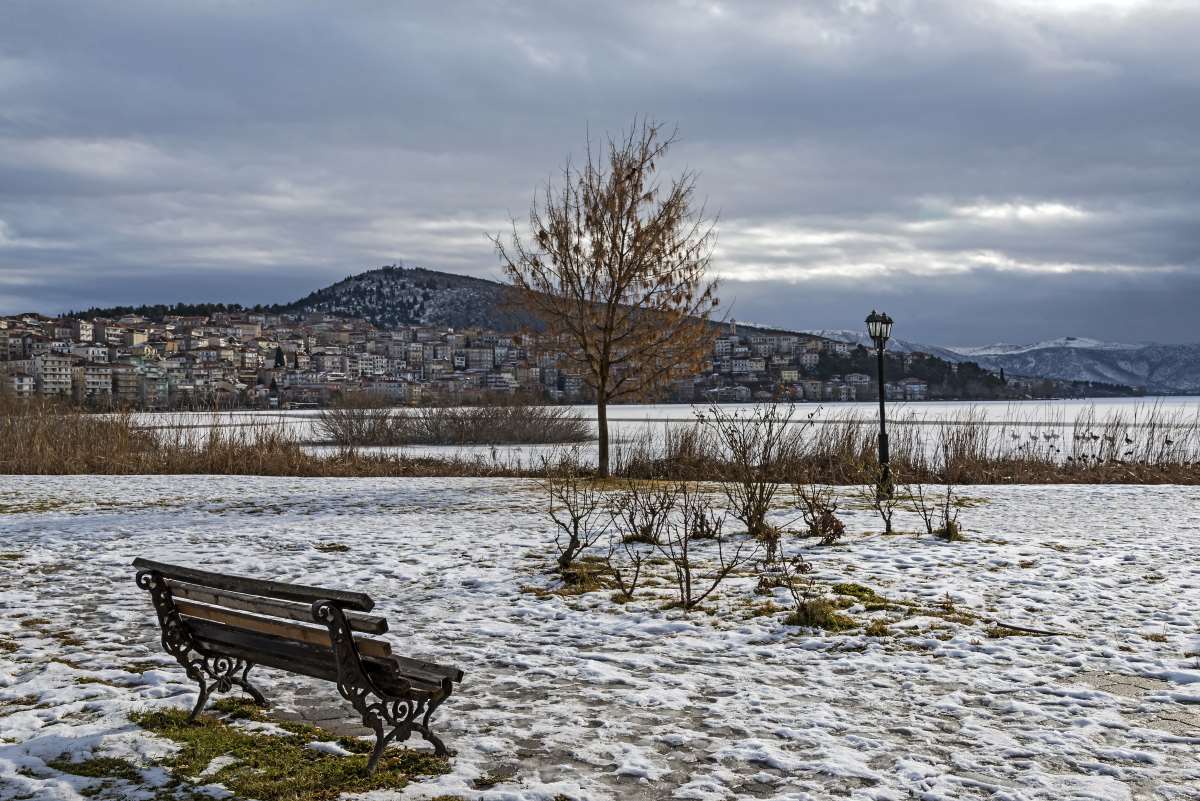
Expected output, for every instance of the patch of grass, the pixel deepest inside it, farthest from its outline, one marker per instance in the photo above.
(71, 663)
(34, 622)
(859, 591)
(94, 680)
(273, 767)
(20, 701)
(97, 768)
(997, 631)
(951, 532)
(820, 613)
(7, 645)
(1155, 636)
(587, 574)
(877, 628)
(492, 778)
(331, 547)
(11, 557)
(763, 609)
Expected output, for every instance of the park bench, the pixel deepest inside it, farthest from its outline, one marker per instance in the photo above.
(219, 627)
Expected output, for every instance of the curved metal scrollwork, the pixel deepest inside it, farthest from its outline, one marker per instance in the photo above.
(393, 716)
(213, 672)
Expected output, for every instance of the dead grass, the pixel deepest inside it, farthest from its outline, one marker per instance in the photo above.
(513, 424)
(1145, 446)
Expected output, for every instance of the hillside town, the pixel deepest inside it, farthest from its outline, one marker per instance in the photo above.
(264, 360)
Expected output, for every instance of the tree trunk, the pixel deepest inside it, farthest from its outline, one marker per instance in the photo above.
(602, 434)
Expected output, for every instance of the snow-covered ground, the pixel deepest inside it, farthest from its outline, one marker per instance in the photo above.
(584, 697)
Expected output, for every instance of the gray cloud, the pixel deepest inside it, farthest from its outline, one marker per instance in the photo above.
(993, 170)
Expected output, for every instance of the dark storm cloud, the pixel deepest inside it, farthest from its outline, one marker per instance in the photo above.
(994, 170)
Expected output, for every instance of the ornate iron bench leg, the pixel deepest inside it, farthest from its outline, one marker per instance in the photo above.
(224, 672)
(201, 700)
(439, 747)
(251, 690)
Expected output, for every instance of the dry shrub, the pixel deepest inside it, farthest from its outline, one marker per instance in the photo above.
(810, 607)
(696, 580)
(1148, 445)
(580, 514)
(818, 505)
(757, 447)
(444, 425)
(641, 510)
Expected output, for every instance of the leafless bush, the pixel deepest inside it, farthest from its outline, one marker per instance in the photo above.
(695, 513)
(923, 504)
(624, 564)
(810, 607)
(881, 495)
(641, 510)
(579, 511)
(818, 504)
(445, 425)
(948, 528)
(757, 446)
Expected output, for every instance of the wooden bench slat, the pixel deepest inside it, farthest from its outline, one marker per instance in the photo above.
(292, 657)
(292, 610)
(386, 677)
(407, 663)
(368, 646)
(359, 601)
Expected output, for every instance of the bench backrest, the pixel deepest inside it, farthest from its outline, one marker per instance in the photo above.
(266, 622)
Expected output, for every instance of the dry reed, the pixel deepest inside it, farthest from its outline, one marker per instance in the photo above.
(1147, 445)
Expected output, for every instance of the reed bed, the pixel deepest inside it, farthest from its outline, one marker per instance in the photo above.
(1146, 445)
(440, 425)
(41, 438)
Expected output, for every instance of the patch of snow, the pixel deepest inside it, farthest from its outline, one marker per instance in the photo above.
(592, 699)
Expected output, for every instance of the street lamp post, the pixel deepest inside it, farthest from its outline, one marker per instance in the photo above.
(879, 326)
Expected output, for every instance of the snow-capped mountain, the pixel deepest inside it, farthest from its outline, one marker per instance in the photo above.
(895, 345)
(1083, 343)
(1158, 368)
(1161, 369)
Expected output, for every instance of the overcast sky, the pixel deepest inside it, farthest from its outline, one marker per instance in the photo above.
(984, 171)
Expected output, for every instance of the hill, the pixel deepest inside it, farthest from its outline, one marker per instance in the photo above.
(394, 296)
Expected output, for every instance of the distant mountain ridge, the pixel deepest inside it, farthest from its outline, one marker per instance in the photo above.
(1163, 369)
(895, 345)
(1082, 343)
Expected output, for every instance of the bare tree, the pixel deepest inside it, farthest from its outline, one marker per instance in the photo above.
(615, 268)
